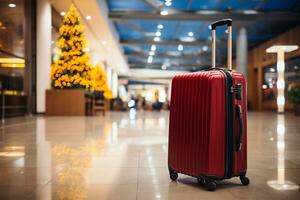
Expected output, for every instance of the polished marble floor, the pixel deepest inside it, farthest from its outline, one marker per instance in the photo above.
(124, 156)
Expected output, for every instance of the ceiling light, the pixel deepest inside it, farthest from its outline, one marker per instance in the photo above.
(88, 17)
(191, 34)
(250, 12)
(158, 33)
(180, 47)
(160, 26)
(157, 39)
(12, 5)
(86, 49)
(207, 12)
(63, 13)
(187, 39)
(164, 12)
(150, 59)
(205, 48)
(153, 47)
(168, 3)
(151, 53)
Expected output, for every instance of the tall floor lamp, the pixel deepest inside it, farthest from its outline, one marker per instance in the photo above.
(281, 183)
(281, 50)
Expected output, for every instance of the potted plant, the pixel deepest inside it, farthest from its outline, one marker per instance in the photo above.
(294, 93)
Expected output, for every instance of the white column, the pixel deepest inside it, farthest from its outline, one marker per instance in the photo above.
(43, 56)
(242, 51)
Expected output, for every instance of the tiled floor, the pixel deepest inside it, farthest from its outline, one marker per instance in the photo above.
(124, 156)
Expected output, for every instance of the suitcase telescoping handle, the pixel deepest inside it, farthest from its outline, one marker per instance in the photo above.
(214, 25)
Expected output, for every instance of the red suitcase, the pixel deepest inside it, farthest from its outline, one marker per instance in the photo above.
(208, 122)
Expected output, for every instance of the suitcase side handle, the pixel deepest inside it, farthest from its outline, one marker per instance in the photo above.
(214, 25)
(240, 135)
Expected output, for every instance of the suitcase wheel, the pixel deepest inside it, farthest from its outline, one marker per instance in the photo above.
(201, 180)
(173, 175)
(209, 183)
(211, 186)
(244, 180)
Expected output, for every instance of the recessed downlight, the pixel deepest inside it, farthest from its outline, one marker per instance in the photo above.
(250, 12)
(150, 59)
(158, 33)
(164, 12)
(63, 13)
(12, 5)
(151, 53)
(205, 48)
(168, 3)
(180, 47)
(160, 26)
(157, 39)
(88, 17)
(153, 47)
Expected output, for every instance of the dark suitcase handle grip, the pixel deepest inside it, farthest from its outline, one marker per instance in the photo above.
(240, 136)
(221, 22)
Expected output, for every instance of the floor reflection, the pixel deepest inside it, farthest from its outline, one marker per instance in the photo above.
(281, 183)
(124, 156)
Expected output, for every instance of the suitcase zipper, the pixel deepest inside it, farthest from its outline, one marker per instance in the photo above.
(229, 120)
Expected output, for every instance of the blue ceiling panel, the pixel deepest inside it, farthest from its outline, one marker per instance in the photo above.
(128, 5)
(273, 5)
(128, 50)
(151, 26)
(204, 5)
(237, 5)
(279, 5)
(180, 4)
(126, 33)
(175, 32)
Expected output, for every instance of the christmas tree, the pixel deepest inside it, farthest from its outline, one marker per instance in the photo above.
(98, 81)
(72, 68)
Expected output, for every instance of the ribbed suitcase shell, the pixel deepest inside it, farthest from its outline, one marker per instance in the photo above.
(197, 125)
